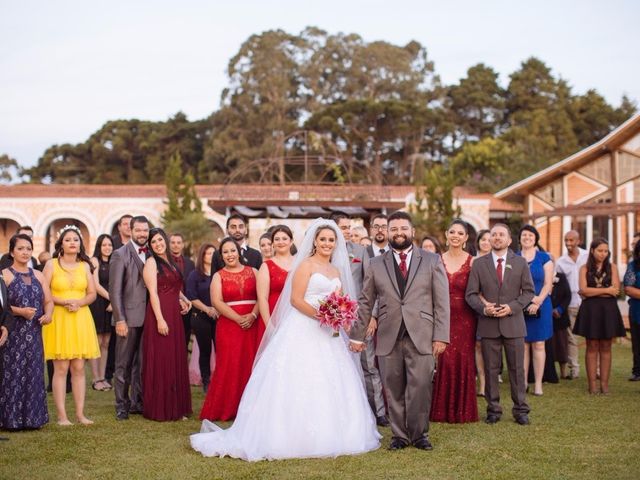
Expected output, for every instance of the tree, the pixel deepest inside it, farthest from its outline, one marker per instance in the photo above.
(485, 165)
(434, 208)
(539, 118)
(184, 209)
(124, 151)
(477, 105)
(8, 168)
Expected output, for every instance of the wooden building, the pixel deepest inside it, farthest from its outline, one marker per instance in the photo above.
(595, 191)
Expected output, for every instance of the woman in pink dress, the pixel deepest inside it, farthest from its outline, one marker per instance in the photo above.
(454, 392)
(273, 272)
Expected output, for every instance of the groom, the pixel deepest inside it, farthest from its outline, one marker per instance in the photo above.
(413, 328)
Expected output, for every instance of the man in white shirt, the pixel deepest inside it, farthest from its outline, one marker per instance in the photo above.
(570, 264)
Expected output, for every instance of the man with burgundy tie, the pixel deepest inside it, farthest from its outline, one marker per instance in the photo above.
(499, 288)
(128, 295)
(412, 314)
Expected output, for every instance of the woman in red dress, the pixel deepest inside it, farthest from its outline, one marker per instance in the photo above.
(273, 272)
(454, 389)
(166, 394)
(238, 333)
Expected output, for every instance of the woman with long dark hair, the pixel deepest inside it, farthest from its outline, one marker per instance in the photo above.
(538, 314)
(599, 319)
(70, 338)
(454, 386)
(238, 332)
(101, 309)
(273, 272)
(165, 372)
(203, 314)
(23, 399)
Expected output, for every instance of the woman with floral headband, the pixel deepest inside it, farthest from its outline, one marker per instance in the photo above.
(71, 337)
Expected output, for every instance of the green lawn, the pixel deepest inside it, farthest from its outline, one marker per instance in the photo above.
(572, 435)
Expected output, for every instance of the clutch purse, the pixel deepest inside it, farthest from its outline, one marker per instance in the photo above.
(526, 311)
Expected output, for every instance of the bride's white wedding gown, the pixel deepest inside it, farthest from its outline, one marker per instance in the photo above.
(305, 397)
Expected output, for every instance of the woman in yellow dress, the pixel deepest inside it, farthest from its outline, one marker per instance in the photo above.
(71, 337)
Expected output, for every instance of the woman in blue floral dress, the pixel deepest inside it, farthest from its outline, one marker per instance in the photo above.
(23, 399)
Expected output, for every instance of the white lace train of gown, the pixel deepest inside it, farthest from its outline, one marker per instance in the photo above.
(305, 397)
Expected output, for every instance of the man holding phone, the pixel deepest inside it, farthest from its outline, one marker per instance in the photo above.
(499, 288)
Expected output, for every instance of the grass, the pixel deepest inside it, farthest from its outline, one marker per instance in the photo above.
(572, 435)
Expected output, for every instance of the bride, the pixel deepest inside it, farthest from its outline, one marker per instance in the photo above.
(305, 397)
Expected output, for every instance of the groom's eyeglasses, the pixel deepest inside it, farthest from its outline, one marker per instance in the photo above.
(379, 227)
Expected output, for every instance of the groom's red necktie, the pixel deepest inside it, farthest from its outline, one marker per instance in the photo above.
(403, 264)
(499, 271)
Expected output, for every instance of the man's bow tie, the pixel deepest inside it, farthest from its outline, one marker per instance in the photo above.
(143, 250)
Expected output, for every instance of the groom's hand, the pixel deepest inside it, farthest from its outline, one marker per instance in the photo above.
(356, 346)
(438, 348)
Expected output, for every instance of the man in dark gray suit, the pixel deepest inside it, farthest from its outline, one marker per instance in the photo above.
(499, 288)
(412, 291)
(128, 296)
(359, 263)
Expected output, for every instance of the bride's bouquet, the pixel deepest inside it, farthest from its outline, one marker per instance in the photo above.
(337, 310)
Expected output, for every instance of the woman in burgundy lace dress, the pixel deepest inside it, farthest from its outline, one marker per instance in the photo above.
(454, 390)
(165, 373)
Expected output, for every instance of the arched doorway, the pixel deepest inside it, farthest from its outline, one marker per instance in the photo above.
(8, 229)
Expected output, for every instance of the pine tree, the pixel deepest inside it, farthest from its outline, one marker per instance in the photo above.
(184, 208)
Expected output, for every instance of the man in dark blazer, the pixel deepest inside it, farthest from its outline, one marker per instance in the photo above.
(237, 229)
(186, 266)
(412, 294)
(379, 236)
(128, 295)
(499, 288)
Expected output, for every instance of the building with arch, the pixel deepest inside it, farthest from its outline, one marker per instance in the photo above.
(96, 209)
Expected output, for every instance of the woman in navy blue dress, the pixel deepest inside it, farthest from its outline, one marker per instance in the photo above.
(538, 314)
(23, 399)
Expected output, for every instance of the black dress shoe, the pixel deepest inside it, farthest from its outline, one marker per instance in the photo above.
(397, 444)
(382, 421)
(423, 444)
(122, 416)
(634, 378)
(522, 419)
(491, 419)
(135, 411)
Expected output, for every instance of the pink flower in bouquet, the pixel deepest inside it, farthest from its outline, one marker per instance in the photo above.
(337, 311)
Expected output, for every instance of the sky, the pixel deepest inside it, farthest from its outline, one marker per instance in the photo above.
(68, 66)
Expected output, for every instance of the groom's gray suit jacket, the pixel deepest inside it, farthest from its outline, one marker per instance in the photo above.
(424, 307)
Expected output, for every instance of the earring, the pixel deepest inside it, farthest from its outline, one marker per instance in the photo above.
(313, 250)
(464, 245)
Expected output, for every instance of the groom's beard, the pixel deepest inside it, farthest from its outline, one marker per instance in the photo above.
(400, 242)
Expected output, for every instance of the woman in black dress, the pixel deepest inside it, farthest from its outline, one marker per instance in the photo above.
(101, 309)
(203, 315)
(599, 319)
